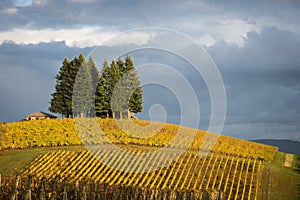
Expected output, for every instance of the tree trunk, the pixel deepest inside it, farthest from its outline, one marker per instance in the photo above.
(128, 114)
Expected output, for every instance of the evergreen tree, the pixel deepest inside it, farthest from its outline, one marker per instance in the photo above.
(95, 77)
(74, 66)
(127, 95)
(114, 76)
(57, 103)
(116, 91)
(119, 95)
(93, 70)
(61, 101)
(121, 66)
(102, 106)
(134, 89)
(82, 98)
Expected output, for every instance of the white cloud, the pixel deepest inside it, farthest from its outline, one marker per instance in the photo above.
(213, 28)
(76, 37)
(82, 1)
(22, 3)
(80, 37)
(206, 39)
(139, 38)
(280, 23)
(9, 11)
(235, 30)
(40, 2)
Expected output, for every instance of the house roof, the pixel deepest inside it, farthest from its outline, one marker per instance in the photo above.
(40, 114)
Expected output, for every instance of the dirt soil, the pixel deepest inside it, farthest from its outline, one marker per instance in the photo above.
(288, 160)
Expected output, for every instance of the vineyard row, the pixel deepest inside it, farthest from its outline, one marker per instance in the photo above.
(237, 178)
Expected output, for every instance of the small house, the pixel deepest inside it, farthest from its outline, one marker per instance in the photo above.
(39, 115)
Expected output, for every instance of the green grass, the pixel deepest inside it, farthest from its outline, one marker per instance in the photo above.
(278, 182)
(13, 161)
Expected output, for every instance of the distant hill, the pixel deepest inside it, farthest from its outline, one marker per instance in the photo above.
(287, 146)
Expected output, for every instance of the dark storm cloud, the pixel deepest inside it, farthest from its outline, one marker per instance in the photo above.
(262, 82)
(57, 14)
(272, 48)
(5, 4)
(130, 14)
(250, 10)
(27, 76)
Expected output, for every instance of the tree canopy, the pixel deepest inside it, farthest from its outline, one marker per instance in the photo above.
(119, 89)
(81, 91)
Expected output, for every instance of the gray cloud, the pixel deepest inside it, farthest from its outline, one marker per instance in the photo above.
(262, 82)
(27, 76)
(184, 16)
(6, 4)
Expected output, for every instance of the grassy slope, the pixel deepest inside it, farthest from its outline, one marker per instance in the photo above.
(13, 161)
(278, 182)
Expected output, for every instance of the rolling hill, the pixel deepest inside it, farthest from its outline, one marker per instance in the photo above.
(52, 159)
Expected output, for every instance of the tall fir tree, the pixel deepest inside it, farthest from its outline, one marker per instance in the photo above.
(112, 81)
(102, 106)
(61, 101)
(120, 85)
(93, 94)
(57, 103)
(93, 70)
(118, 101)
(95, 77)
(82, 98)
(135, 104)
(75, 65)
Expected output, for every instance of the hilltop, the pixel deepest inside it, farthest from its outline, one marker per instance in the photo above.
(233, 169)
(62, 132)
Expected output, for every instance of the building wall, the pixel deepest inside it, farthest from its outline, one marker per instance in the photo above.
(36, 118)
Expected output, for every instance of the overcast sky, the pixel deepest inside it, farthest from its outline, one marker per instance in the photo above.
(254, 43)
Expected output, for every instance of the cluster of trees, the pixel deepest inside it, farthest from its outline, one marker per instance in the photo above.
(82, 91)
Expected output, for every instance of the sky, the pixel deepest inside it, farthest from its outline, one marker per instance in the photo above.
(255, 45)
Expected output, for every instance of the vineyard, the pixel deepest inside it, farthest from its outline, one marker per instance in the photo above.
(236, 178)
(136, 167)
(62, 132)
(31, 188)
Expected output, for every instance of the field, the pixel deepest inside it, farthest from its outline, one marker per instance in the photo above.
(62, 132)
(278, 181)
(234, 169)
(237, 178)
